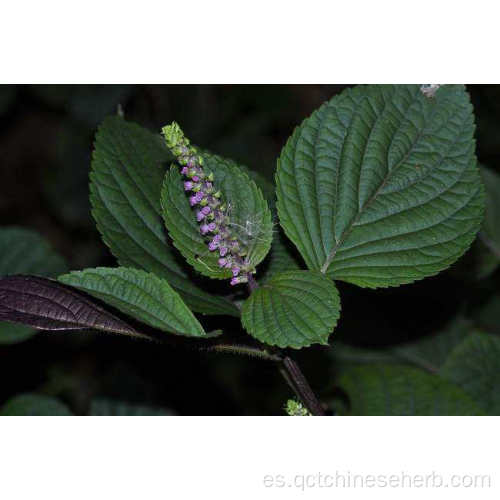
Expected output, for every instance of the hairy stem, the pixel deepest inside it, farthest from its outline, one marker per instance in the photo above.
(292, 373)
(297, 381)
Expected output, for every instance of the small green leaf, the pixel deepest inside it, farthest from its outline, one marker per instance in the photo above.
(138, 294)
(128, 167)
(250, 217)
(474, 365)
(380, 186)
(108, 407)
(23, 251)
(294, 309)
(34, 405)
(401, 390)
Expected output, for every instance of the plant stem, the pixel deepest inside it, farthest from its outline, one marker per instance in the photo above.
(292, 373)
(297, 381)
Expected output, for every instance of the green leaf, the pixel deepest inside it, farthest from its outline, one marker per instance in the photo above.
(34, 405)
(282, 257)
(250, 217)
(489, 237)
(128, 167)
(108, 407)
(141, 295)
(23, 251)
(402, 390)
(474, 365)
(294, 309)
(431, 352)
(380, 186)
(13, 333)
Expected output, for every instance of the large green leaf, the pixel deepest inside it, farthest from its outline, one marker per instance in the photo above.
(249, 214)
(293, 309)
(402, 390)
(128, 167)
(23, 251)
(34, 405)
(139, 294)
(474, 365)
(380, 186)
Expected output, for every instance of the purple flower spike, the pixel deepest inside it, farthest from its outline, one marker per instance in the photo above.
(210, 209)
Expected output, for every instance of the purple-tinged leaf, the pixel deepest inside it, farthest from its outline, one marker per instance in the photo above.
(46, 304)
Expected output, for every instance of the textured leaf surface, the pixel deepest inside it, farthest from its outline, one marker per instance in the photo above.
(474, 365)
(34, 405)
(250, 217)
(25, 251)
(108, 407)
(139, 294)
(380, 185)
(128, 167)
(401, 390)
(294, 309)
(48, 305)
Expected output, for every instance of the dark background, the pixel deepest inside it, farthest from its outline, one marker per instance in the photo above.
(46, 135)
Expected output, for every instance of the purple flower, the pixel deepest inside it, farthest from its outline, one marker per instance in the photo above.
(211, 209)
